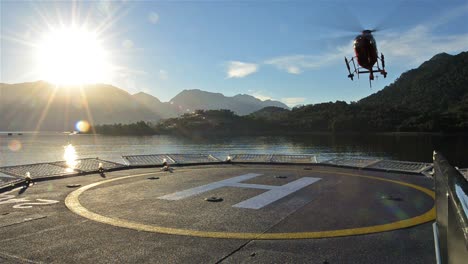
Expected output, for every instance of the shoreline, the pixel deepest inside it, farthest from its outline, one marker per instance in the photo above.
(249, 133)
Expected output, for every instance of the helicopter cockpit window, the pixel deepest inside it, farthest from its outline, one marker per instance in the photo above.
(356, 43)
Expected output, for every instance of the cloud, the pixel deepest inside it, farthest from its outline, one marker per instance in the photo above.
(262, 97)
(27, 35)
(163, 75)
(127, 44)
(237, 69)
(294, 70)
(153, 17)
(293, 101)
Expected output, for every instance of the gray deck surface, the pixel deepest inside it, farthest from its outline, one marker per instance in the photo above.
(37, 227)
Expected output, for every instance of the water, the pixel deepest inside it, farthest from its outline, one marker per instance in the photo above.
(33, 148)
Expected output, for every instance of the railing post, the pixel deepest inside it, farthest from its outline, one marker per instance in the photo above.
(451, 231)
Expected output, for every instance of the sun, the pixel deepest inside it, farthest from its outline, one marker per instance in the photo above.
(72, 56)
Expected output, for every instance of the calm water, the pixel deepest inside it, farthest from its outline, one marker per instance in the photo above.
(32, 148)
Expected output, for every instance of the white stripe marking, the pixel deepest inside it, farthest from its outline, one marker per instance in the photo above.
(253, 186)
(275, 194)
(208, 187)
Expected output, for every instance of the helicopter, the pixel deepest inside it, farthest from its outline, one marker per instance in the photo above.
(367, 57)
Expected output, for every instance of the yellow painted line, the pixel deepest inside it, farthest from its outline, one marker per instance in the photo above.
(73, 203)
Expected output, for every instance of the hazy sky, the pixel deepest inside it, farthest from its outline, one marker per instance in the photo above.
(288, 51)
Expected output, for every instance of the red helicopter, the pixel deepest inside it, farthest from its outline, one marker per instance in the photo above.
(367, 57)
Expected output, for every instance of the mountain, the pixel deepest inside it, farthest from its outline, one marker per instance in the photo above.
(191, 100)
(242, 104)
(153, 104)
(436, 85)
(40, 105)
(436, 94)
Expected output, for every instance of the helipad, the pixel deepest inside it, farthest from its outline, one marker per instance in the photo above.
(312, 212)
(356, 204)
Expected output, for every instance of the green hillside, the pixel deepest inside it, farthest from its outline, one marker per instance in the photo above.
(435, 95)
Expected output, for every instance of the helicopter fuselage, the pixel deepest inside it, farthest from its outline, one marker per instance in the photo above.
(365, 49)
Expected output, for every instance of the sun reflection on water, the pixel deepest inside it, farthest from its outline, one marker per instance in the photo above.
(70, 157)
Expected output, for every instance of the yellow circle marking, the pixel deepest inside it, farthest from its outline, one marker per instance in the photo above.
(73, 203)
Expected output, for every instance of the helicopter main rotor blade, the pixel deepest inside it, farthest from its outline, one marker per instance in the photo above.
(343, 20)
(333, 40)
(346, 21)
(388, 20)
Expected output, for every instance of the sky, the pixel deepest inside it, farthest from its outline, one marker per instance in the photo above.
(291, 51)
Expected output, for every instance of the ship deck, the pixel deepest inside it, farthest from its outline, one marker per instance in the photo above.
(263, 213)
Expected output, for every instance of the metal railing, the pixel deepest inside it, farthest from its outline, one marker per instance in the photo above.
(11, 176)
(451, 227)
(42, 171)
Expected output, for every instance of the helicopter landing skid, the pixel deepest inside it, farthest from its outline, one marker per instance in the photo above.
(357, 70)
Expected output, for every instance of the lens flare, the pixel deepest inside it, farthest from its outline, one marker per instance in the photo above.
(70, 157)
(82, 126)
(14, 145)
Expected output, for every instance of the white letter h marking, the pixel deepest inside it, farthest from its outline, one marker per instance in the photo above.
(273, 194)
